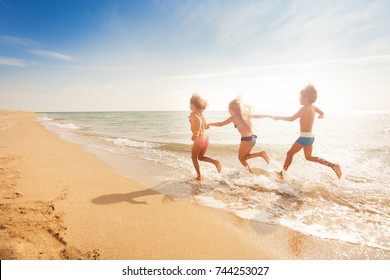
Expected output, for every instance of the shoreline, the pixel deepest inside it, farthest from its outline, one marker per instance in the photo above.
(60, 202)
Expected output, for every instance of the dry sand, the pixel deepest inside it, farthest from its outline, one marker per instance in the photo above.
(59, 202)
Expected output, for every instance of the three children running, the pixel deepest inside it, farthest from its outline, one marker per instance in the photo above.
(241, 118)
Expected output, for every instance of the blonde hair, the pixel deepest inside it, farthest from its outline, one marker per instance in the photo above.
(198, 102)
(310, 93)
(241, 110)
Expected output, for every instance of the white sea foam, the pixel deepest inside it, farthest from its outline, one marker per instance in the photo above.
(256, 214)
(52, 122)
(66, 125)
(211, 202)
(44, 118)
(125, 142)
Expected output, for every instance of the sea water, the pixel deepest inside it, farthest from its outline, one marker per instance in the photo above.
(154, 148)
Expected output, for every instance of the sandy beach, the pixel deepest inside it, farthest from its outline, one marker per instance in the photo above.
(60, 202)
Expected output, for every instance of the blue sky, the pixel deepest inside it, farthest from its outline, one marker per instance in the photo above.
(152, 55)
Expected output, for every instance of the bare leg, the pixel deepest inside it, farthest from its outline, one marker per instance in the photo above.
(196, 149)
(208, 159)
(336, 168)
(198, 154)
(262, 154)
(243, 153)
(295, 148)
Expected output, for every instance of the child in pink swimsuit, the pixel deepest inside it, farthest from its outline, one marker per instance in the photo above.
(201, 140)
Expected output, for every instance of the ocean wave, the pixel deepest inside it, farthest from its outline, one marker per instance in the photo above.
(71, 126)
(175, 147)
(55, 122)
(125, 142)
(44, 118)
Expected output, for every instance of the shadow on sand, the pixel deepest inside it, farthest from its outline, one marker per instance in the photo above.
(170, 191)
(124, 197)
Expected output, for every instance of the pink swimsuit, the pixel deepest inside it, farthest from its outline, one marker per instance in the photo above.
(202, 141)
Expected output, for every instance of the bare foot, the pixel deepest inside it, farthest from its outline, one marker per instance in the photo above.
(337, 169)
(264, 155)
(280, 174)
(218, 166)
(249, 169)
(200, 177)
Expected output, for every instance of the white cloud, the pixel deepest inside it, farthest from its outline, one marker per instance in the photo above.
(241, 22)
(331, 28)
(290, 30)
(51, 54)
(7, 61)
(226, 23)
(28, 45)
(268, 69)
(18, 41)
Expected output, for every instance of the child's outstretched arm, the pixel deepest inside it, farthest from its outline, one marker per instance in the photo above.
(260, 116)
(289, 119)
(320, 113)
(225, 122)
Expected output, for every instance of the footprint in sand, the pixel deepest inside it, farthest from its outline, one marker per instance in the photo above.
(12, 195)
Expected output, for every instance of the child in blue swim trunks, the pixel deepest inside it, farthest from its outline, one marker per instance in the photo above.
(305, 141)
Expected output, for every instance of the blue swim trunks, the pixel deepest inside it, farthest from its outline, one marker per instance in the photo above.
(305, 140)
